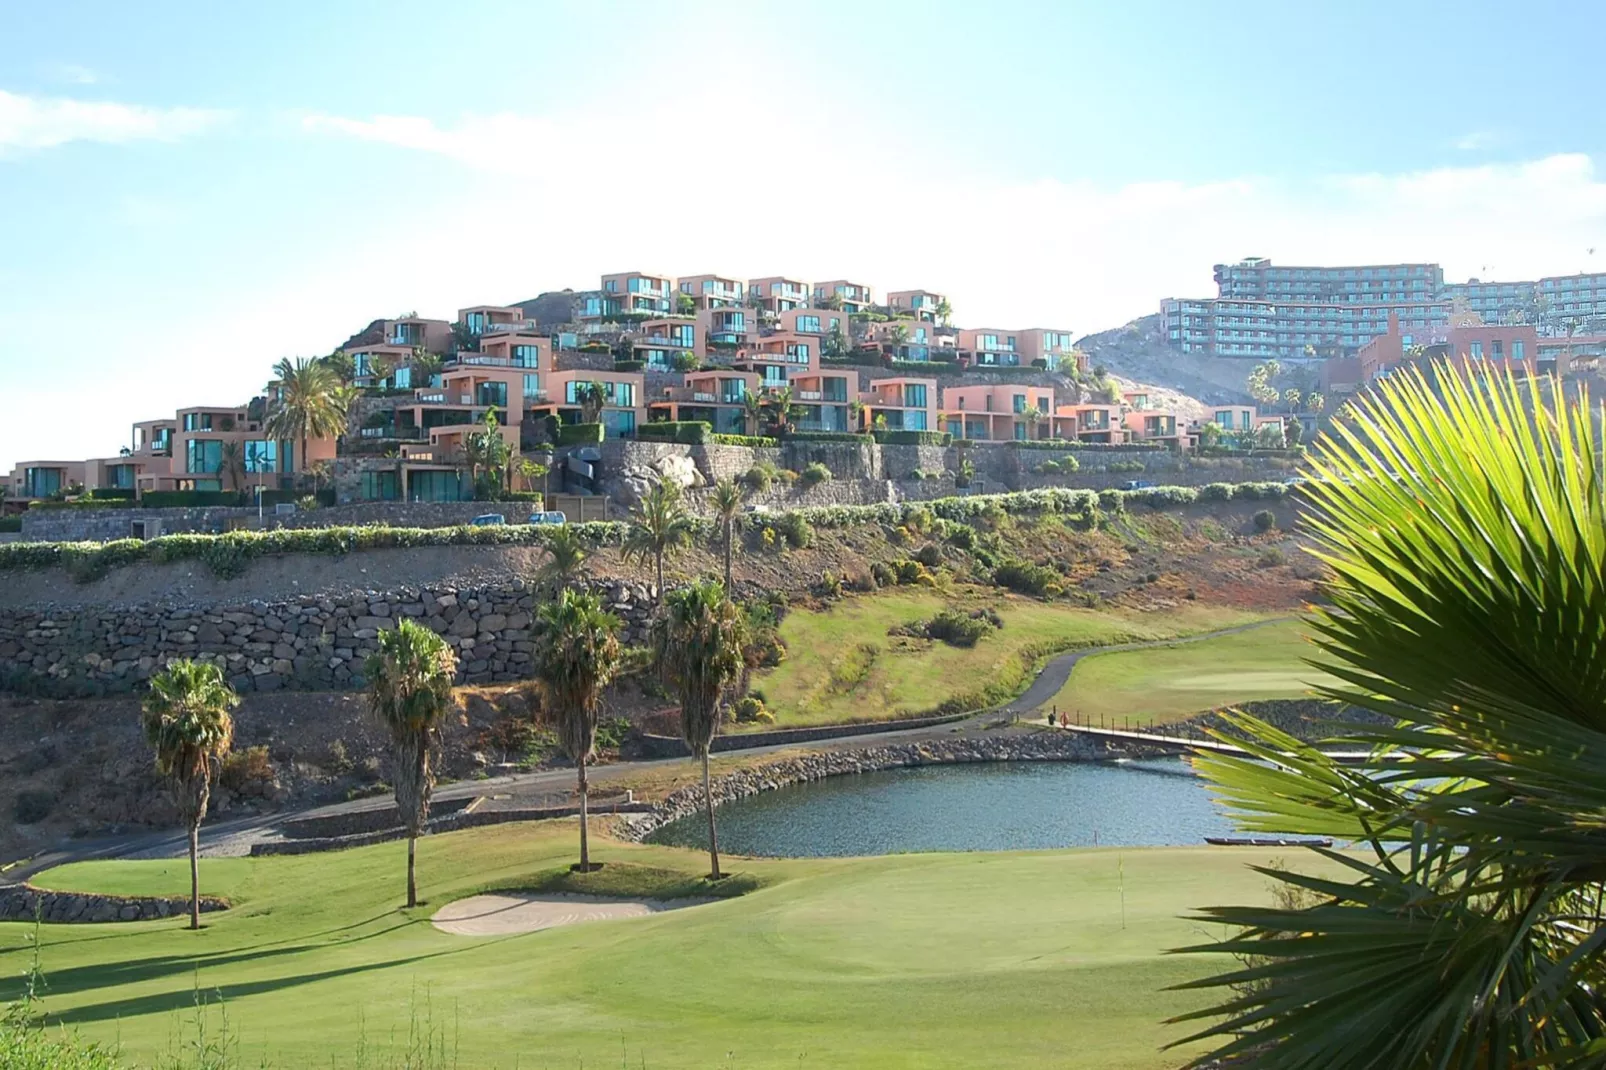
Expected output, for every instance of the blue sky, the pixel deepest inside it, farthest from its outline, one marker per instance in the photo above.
(190, 191)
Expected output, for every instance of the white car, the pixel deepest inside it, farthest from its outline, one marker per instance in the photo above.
(553, 516)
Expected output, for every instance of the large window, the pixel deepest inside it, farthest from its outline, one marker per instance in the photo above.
(120, 475)
(477, 322)
(1519, 350)
(914, 395)
(197, 421)
(1019, 402)
(203, 455)
(262, 455)
(732, 391)
(617, 395)
(836, 389)
(380, 487)
(434, 486)
(491, 394)
(526, 356)
(797, 352)
(619, 421)
(808, 325)
(532, 386)
(40, 482)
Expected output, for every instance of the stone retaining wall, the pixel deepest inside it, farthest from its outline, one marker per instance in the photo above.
(1034, 747)
(24, 902)
(308, 643)
(462, 819)
(650, 746)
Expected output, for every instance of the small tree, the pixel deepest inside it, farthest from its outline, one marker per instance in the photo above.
(660, 528)
(1209, 435)
(727, 500)
(231, 464)
(187, 722)
(566, 556)
(685, 304)
(752, 411)
(410, 690)
(577, 655)
(944, 311)
(700, 650)
(591, 397)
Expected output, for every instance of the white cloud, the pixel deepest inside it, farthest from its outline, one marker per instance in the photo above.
(31, 122)
(76, 74)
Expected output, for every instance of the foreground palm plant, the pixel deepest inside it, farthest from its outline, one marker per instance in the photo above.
(727, 498)
(410, 691)
(566, 556)
(187, 722)
(308, 403)
(577, 655)
(1464, 523)
(700, 650)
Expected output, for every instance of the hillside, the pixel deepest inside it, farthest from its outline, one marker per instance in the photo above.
(1137, 353)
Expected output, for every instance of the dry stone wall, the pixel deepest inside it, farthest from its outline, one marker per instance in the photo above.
(308, 643)
(24, 902)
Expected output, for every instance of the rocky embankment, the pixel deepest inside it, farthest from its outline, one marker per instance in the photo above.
(24, 902)
(800, 769)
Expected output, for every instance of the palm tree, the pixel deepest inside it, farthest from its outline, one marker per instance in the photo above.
(340, 365)
(231, 463)
(486, 448)
(591, 397)
(897, 335)
(186, 720)
(752, 411)
(566, 556)
(1463, 522)
(308, 404)
(577, 655)
(530, 471)
(1315, 401)
(778, 400)
(410, 690)
(727, 501)
(700, 650)
(944, 310)
(425, 365)
(660, 527)
(837, 343)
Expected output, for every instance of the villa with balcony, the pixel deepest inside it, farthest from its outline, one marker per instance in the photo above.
(434, 336)
(657, 342)
(776, 294)
(850, 297)
(814, 321)
(989, 347)
(725, 331)
(1150, 425)
(32, 480)
(717, 398)
(1096, 422)
(629, 295)
(1053, 347)
(710, 291)
(908, 339)
(998, 413)
(481, 318)
(900, 404)
(916, 304)
(382, 367)
(824, 400)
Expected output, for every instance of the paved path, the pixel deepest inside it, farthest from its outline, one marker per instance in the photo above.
(234, 838)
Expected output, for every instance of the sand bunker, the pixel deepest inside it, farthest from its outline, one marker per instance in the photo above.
(497, 915)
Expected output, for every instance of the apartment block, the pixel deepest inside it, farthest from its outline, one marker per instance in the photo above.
(908, 339)
(990, 346)
(710, 291)
(411, 332)
(722, 332)
(998, 413)
(817, 321)
(824, 399)
(776, 293)
(629, 294)
(848, 296)
(1557, 304)
(900, 404)
(1510, 346)
(1263, 310)
(481, 318)
(717, 397)
(657, 342)
(916, 304)
(1053, 347)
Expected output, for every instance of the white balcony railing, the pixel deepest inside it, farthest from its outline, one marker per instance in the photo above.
(810, 395)
(709, 398)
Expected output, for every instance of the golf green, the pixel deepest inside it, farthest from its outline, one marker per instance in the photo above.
(939, 960)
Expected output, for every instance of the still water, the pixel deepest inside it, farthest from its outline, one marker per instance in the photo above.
(997, 806)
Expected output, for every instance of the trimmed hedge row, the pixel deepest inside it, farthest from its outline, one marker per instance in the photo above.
(686, 432)
(754, 441)
(912, 438)
(580, 434)
(826, 436)
(227, 555)
(1074, 444)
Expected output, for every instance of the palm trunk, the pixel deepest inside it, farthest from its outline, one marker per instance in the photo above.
(195, 874)
(730, 533)
(658, 598)
(585, 847)
(301, 461)
(713, 836)
(412, 884)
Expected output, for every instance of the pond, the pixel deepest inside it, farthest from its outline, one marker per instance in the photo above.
(995, 806)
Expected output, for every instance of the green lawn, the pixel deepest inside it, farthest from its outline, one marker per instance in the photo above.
(996, 960)
(1174, 682)
(842, 666)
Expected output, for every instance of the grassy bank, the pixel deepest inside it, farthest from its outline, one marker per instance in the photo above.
(1002, 960)
(843, 666)
(1171, 683)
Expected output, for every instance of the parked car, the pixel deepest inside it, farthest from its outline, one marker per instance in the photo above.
(487, 520)
(757, 510)
(1138, 484)
(553, 516)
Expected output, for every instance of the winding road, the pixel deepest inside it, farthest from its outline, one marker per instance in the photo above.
(234, 837)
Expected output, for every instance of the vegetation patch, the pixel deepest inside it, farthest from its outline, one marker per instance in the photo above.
(622, 880)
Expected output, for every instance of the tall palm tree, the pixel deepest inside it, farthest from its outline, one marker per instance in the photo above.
(566, 556)
(425, 365)
(944, 311)
(752, 411)
(727, 499)
(410, 691)
(577, 655)
(778, 400)
(897, 336)
(660, 528)
(231, 463)
(186, 720)
(591, 397)
(307, 404)
(1465, 529)
(700, 650)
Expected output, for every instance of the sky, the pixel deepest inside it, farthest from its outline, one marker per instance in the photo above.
(191, 191)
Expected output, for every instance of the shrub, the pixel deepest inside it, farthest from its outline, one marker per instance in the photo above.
(883, 574)
(1112, 501)
(1160, 497)
(909, 571)
(32, 807)
(247, 772)
(687, 432)
(189, 499)
(963, 629)
(830, 584)
(1271, 557)
(580, 434)
(684, 362)
(629, 365)
(750, 709)
(912, 438)
(826, 436)
(1265, 520)
(930, 555)
(795, 530)
(1124, 466)
(1216, 492)
(759, 477)
(754, 441)
(962, 536)
(10, 523)
(814, 473)
(1026, 577)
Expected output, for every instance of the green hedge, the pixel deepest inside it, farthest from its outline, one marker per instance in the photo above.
(688, 432)
(1072, 444)
(629, 365)
(10, 523)
(929, 367)
(826, 436)
(580, 434)
(755, 441)
(189, 499)
(912, 438)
